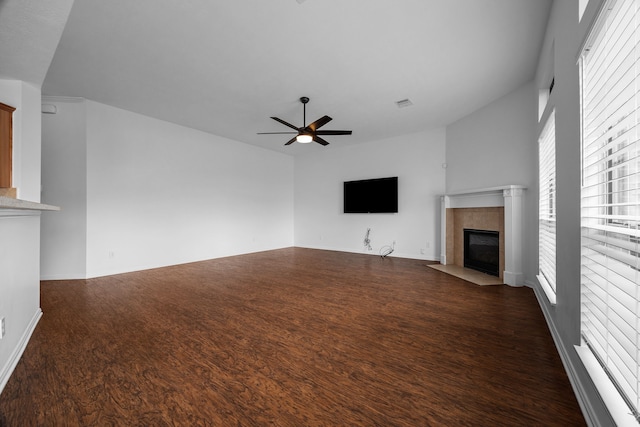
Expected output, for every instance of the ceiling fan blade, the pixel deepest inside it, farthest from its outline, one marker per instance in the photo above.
(319, 140)
(319, 123)
(285, 123)
(277, 133)
(291, 141)
(333, 132)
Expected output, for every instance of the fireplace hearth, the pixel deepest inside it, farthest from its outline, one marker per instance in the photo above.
(482, 251)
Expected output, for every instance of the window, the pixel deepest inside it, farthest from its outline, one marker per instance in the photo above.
(610, 305)
(547, 208)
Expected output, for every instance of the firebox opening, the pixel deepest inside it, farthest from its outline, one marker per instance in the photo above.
(482, 251)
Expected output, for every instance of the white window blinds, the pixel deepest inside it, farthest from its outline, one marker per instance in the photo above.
(611, 196)
(547, 208)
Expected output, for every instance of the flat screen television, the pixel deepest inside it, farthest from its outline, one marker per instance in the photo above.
(378, 195)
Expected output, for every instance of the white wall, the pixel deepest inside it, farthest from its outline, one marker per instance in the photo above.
(140, 193)
(64, 183)
(19, 232)
(161, 194)
(494, 145)
(417, 162)
(497, 145)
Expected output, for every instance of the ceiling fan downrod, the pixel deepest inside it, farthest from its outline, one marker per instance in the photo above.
(304, 101)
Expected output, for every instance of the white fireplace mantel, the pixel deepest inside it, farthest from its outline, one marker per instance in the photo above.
(511, 198)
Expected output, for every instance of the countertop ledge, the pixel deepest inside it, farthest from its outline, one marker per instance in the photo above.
(11, 203)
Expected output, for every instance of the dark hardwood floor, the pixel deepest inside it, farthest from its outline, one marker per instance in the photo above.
(292, 337)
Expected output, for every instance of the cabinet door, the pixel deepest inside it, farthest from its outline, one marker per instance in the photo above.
(6, 148)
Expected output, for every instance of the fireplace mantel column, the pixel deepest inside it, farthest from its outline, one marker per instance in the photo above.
(513, 226)
(444, 205)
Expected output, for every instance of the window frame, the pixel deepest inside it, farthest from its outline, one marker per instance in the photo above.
(610, 218)
(547, 185)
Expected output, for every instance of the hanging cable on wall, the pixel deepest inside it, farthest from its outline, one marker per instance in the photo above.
(367, 240)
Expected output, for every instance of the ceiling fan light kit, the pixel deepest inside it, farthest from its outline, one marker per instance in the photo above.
(307, 134)
(304, 139)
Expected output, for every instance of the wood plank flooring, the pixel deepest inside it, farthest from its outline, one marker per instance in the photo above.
(291, 337)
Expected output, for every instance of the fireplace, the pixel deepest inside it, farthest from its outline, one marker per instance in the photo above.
(482, 250)
(495, 208)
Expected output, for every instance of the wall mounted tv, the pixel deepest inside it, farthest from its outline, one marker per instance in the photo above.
(378, 195)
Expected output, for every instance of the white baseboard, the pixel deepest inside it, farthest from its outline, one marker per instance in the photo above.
(394, 254)
(70, 276)
(11, 364)
(582, 396)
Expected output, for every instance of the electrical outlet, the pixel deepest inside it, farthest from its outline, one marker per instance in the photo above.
(422, 251)
(2, 328)
(112, 254)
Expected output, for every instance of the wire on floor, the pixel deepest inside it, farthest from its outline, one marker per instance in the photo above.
(387, 250)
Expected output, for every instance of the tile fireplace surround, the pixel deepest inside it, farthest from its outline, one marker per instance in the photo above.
(503, 204)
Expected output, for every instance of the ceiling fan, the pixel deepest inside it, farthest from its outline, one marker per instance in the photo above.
(306, 134)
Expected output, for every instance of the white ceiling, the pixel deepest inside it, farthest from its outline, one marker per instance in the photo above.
(226, 67)
(29, 34)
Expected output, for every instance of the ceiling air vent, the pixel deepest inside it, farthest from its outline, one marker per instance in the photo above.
(49, 109)
(404, 103)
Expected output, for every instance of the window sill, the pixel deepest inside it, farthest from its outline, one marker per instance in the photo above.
(548, 290)
(616, 405)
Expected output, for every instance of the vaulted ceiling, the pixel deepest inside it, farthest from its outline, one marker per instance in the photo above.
(226, 67)
(29, 35)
